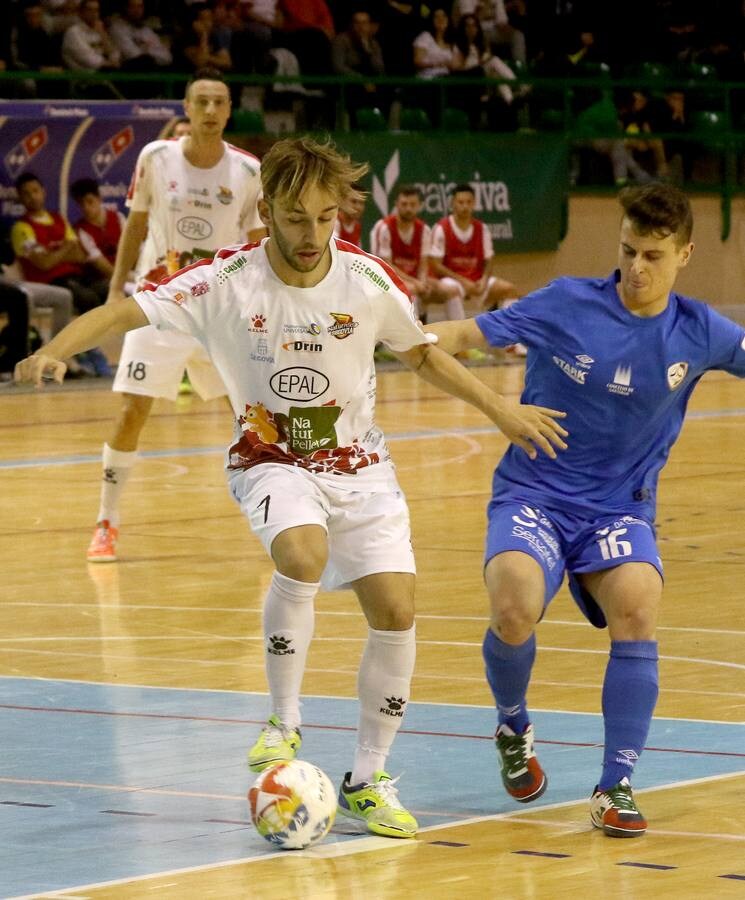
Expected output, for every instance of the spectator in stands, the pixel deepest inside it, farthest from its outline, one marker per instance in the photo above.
(59, 15)
(50, 253)
(434, 48)
(356, 53)
(197, 45)
(253, 40)
(403, 240)
(307, 30)
(99, 229)
(31, 46)
(87, 44)
(596, 126)
(636, 114)
(141, 49)
(669, 115)
(474, 58)
(497, 23)
(400, 23)
(462, 257)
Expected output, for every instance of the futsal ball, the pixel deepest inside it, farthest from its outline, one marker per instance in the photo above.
(292, 804)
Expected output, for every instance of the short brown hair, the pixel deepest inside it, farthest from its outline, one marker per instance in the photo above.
(293, 164)
(658, 209)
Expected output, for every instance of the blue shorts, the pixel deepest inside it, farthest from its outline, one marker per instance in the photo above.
(566, 542)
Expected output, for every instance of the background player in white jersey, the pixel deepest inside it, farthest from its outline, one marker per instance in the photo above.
(622, 356)
(188, 198)
(291, 325)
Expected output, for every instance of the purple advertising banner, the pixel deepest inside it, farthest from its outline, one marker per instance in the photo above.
(61, 141)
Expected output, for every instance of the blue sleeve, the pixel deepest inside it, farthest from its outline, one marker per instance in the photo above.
(527, 322)
(726, 344)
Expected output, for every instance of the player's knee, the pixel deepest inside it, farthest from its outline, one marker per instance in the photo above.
(632, 621)
(393, 618)
(300, 554)
(512, 624)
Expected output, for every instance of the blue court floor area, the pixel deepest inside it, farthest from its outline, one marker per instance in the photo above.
(101, 782)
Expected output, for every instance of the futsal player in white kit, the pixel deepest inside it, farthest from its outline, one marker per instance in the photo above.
(291, 325)
(188, 197)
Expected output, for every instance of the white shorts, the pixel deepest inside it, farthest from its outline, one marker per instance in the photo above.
(152, 364)
(368, 532)
(475, 298)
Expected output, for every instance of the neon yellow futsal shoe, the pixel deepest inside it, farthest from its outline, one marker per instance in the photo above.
(277, 743)
(377, 805)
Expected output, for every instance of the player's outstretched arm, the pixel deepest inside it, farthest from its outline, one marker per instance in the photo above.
(81, 334)
(458, 335)
(529, 427)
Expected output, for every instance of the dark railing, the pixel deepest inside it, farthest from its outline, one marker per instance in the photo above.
(715, 134)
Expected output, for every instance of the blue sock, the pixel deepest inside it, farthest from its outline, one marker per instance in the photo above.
(629, 696)
(508, 671)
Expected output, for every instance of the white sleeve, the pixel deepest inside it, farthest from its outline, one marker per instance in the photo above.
(89, 245)
(426, 241)
(437, 247)
(488, 246)
(382, 241)
(186, 302)
(396, 321)
(140, 189)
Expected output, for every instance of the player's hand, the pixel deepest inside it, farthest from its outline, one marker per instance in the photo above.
(37, 368)
(533, 428)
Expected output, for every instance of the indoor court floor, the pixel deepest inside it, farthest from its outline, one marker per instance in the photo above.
(130, 692)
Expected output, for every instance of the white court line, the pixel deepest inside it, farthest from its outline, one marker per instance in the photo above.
(367, 844)
(239, 640)
(354, 613)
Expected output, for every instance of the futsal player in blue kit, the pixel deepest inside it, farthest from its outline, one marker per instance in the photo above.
(621, 355)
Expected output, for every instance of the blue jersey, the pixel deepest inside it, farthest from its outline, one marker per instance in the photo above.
(623, 380)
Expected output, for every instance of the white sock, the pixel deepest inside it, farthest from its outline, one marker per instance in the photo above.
(383, 685)
(117, 466)
(454, 309)
(288, 629)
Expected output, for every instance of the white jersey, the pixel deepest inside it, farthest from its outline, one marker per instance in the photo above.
(297, 363)
(192, 212)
